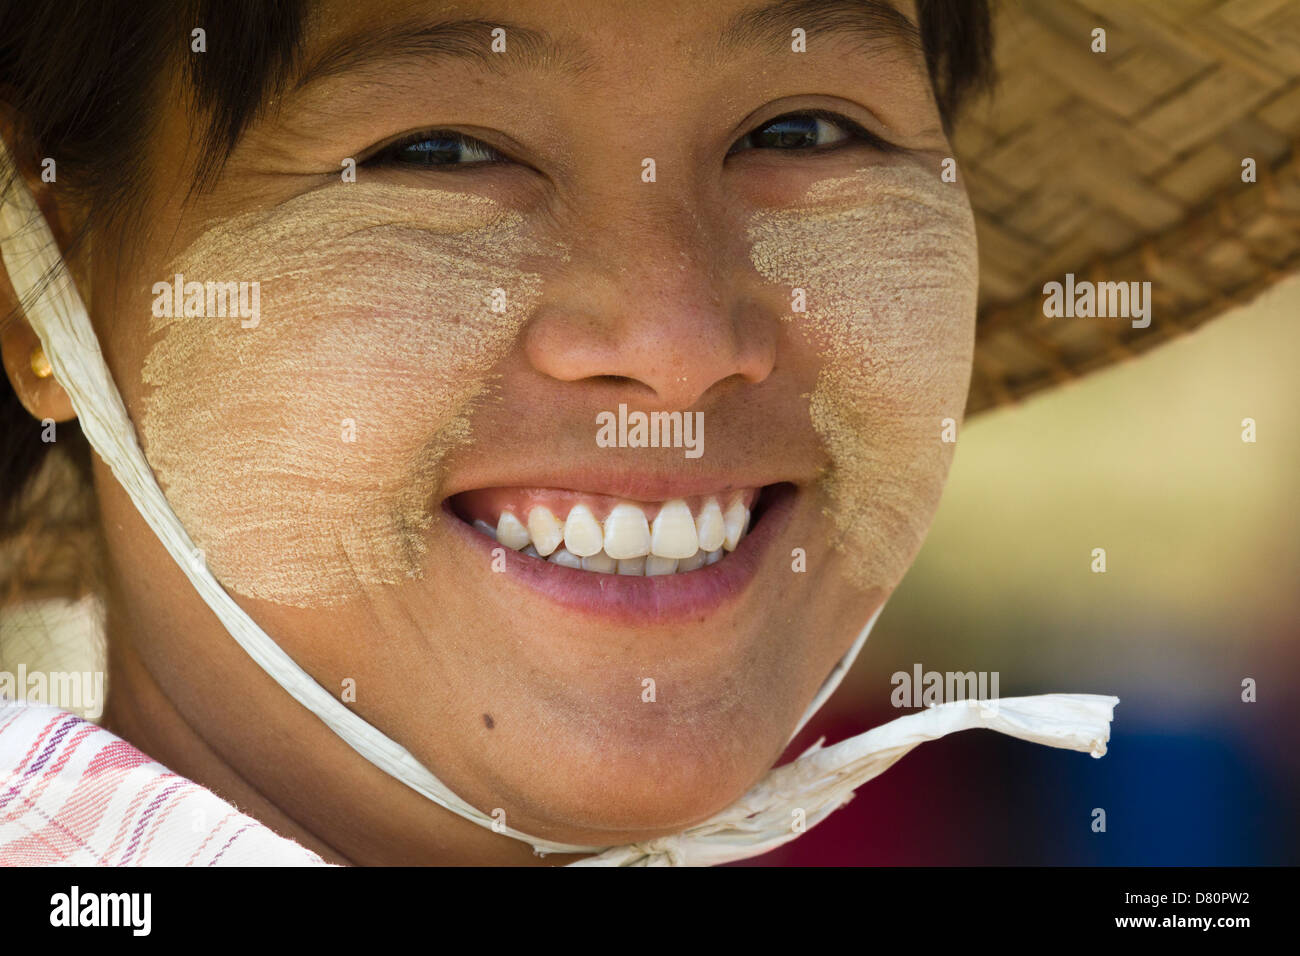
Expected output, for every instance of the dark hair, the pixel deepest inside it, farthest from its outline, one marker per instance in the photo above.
(83, 77)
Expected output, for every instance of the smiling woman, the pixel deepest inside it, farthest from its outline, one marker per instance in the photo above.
(471, 242)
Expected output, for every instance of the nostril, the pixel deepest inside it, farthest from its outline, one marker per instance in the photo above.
(618, 380)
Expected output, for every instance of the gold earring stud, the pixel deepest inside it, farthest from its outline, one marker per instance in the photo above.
(40, 364)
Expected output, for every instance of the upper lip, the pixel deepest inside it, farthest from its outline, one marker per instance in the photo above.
(632, 484)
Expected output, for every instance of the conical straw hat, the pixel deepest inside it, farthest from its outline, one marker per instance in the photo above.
(1127, 166)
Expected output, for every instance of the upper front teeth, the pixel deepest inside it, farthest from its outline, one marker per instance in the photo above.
(627, 533)
(673, 534)
(545, 530)
(581, 532)
(626, 543)
(511, 533)
(710, 526)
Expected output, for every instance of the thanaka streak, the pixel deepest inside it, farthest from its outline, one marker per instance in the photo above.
(181, 299)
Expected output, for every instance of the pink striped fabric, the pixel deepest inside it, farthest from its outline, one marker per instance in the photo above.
(71, 793)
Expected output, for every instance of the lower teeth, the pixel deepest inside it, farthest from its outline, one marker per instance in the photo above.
(649, 565)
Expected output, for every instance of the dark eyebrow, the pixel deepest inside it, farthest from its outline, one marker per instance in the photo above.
(869, 21)
(466, 38)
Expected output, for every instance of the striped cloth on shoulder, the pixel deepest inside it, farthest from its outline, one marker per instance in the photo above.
(73, 794)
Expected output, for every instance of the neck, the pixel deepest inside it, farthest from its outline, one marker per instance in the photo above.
(138, 711)
(259, 750)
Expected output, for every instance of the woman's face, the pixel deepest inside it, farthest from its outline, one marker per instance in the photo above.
(633, 221)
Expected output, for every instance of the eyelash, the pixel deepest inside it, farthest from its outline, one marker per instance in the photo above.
(853, 130)
(390, 155)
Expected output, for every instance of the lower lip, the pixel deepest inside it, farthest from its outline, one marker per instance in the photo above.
(630, 599)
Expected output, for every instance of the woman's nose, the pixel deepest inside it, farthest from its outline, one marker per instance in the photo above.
(659, 300)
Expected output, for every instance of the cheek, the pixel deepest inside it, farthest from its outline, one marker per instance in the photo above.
(301, 447)
(887, 261)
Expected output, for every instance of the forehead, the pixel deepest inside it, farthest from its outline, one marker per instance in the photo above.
(584, 36)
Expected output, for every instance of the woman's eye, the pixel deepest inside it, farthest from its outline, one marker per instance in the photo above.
(437, 149)
(806, 131)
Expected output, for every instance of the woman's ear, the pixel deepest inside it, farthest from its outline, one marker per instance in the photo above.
(24, 362)
(29, 371)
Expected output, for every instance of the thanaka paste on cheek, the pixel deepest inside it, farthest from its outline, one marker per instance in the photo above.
(887, 260)
(303, 453)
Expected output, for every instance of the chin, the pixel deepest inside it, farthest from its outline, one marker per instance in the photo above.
(644, 778)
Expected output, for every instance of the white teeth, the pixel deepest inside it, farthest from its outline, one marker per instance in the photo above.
(710, 527)
(657, 565)
(677, 541)
(632, 566)
(564, 557)
(627, 533)
(694, 561)
(582, 533)
(674, 535)
(735, 519)
(511, 532)
(545, 530)
(600, 562)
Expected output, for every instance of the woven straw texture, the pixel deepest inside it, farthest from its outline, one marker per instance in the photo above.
(1127, 166)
